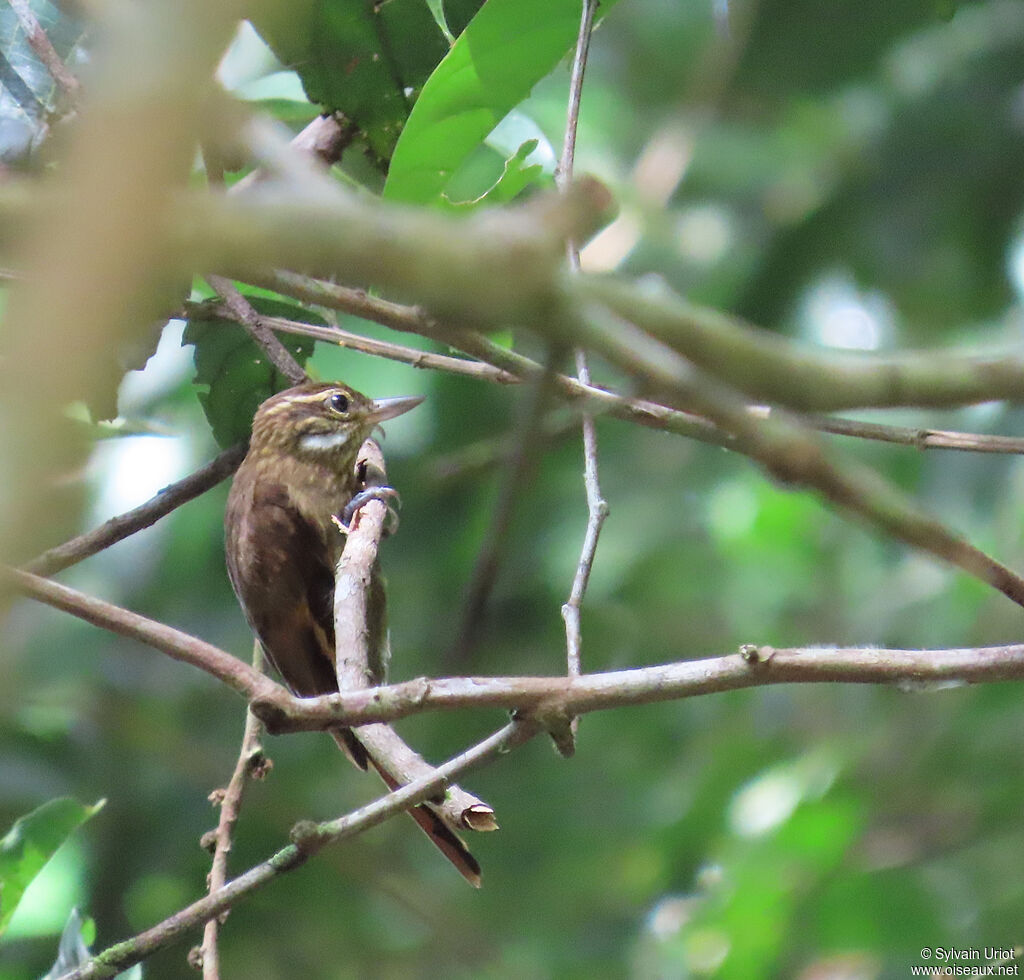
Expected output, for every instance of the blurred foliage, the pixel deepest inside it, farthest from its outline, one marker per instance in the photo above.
(848, 174)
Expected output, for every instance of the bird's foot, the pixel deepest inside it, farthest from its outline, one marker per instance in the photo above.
(389, 495)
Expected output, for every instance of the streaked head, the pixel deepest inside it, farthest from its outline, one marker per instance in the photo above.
(322, 420)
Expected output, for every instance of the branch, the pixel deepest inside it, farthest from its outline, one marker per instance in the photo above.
(495, 266)
(365, 345)
(510, 367)
(44, 49)
(360, 629)
(145, 515)
(769, 367)
(787, 450)
(251, 764)
(492, 268)
(754, 666)
(919, 438)
(513, 367)
(242, 312)
(308, 839)
(239, 676)
(597, 507)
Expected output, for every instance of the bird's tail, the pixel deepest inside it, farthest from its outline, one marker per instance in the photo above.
(430, 821)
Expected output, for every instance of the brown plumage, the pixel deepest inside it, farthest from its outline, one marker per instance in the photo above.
(282, 545)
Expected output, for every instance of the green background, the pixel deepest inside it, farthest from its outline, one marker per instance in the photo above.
(860, 153)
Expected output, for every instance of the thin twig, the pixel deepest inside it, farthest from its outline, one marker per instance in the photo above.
(239, 676)
(308, 839)
(519, 466)
(919, 438)
(145, 515)
(251, 764)
(253, 322)
(789, 451)
(597, 506)
(579, 67)
(44, 49)
(365, 345)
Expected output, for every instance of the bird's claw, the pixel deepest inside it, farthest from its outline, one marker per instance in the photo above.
(388, 495)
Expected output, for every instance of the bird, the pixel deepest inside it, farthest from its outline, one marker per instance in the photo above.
(291, 498)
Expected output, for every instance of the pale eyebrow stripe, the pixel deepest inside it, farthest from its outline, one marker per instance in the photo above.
(292, 400)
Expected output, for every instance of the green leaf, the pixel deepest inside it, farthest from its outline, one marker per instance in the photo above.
(515, 178)
(365, 59)
(508, 47)
(31, 842)
(234, 372)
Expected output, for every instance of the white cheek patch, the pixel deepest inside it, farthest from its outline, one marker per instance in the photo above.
(324, 441)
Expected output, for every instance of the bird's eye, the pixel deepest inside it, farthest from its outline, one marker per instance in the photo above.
(338, 403)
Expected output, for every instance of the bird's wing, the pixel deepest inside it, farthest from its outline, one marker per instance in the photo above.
(278, 565)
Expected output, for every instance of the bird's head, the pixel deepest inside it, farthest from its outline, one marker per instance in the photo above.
(322, 421)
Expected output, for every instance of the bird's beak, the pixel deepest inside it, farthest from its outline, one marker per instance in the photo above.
(387, 408)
